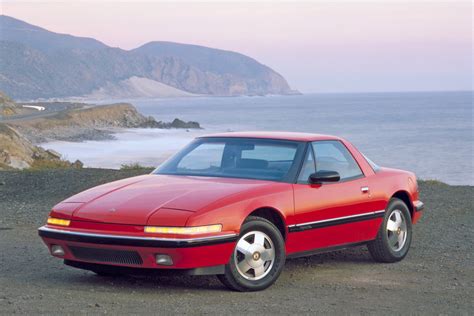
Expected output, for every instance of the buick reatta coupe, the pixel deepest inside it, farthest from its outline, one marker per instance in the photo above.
(237, 205)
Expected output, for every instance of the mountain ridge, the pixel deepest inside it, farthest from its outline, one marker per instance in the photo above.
(38, 63)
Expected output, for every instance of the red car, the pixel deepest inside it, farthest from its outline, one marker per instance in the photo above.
(237, 205)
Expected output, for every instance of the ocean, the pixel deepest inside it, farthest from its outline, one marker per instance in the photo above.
(430, 133)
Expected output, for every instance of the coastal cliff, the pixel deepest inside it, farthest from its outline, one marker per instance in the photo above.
(90, 123)
(17, 152)
(20, 133)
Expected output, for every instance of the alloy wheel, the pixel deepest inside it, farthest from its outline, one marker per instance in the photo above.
(396, 230)
(254, 255)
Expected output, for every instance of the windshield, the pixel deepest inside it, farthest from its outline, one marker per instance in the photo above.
(263, 159)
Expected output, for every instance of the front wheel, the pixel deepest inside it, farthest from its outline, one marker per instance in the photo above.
(258, 257)
(394, 236)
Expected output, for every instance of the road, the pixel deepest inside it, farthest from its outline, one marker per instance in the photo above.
(51, 108)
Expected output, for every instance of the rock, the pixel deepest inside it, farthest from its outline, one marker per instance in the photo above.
(7, 106)
(4, 157)
(90, 123)
(54, 153)
(77, 164)
(17, 152)
(177, 123)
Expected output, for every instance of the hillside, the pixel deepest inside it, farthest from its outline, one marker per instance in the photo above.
(17, 152)
(90, 123)
(37, 63)
(7, 106)
(22, 129)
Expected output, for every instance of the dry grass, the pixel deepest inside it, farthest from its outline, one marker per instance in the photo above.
(134, 166)
(432, 182)
(43, 164)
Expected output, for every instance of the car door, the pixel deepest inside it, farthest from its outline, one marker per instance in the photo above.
(330, 214)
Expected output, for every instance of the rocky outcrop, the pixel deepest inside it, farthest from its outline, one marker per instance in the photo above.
(75, 122)
(176, 123)
(17, 152)
(92, 123)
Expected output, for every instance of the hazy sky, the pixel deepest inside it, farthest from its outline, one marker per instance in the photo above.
(317, 46)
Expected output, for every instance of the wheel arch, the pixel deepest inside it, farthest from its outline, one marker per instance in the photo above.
(273, 215)
(405, 197)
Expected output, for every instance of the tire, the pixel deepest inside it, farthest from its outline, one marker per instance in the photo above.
(240, 274)
(394, 237)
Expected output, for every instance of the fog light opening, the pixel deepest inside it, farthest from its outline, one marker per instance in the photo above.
(57, 250)
(163, 260)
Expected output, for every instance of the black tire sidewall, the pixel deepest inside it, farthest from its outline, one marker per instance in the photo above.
(278, 264)
(400, 205)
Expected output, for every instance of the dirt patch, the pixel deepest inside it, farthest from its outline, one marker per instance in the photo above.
(437, 276)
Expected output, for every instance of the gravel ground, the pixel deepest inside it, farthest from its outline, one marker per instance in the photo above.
(437, 276)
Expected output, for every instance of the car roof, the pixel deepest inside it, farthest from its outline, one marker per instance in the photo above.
(307, 137)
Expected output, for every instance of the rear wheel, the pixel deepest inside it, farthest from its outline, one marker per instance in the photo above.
(258, 257)
(394, 236)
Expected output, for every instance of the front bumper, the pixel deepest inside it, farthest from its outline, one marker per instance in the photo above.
(116, 250)
(418, 206)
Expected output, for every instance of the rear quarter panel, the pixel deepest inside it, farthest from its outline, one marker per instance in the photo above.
(387, 182)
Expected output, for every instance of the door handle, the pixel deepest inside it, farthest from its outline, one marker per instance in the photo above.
(364, 189)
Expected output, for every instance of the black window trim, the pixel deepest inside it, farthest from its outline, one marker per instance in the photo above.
(302, 163)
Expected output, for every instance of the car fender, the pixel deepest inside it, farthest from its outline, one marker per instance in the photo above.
(232, 211)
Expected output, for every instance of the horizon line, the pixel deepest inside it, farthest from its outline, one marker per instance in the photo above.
(385, 91)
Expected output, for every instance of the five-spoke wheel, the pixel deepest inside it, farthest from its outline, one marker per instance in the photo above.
(254, 255)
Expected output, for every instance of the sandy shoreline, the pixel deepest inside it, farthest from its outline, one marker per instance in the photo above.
(128, 146)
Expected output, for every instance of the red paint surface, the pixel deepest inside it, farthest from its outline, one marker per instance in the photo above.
(124, 207)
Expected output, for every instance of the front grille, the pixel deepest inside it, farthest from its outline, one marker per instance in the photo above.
(106, 255)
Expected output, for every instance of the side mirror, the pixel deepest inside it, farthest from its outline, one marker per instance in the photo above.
(324, 176)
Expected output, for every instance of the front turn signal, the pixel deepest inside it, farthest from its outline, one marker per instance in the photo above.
(184, 230)
(58, 221)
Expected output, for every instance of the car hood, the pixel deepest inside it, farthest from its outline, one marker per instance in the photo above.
(134, 200)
